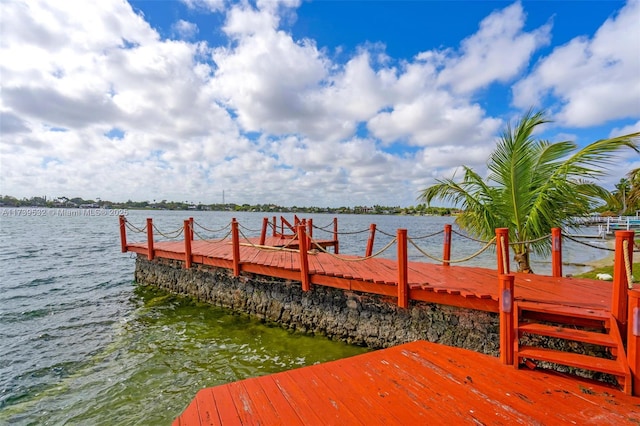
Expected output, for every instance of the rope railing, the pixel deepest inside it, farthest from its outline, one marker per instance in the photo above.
(535, 240)
(476, 254)
(584, 243)
(212, 240)
(423, 237)
(132, 227)
(324, 228)
(453, 231)
(285, 247)
(627, 263)
(228, 225)
(505, 259)
(172, 235)
(356, 259)
(248, 229)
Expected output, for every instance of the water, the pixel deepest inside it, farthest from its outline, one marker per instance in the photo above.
(80, 343)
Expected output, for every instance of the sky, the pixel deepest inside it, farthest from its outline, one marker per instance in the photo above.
(299, 103)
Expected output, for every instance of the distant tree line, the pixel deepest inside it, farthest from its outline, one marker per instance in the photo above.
(78, 202)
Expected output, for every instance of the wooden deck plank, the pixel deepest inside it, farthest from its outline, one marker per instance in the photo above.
(419, 383)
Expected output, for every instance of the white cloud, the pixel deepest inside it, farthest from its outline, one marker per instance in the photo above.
(596, 80)
(185, 29)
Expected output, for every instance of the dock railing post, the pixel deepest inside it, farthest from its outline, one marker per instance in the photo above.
(556, 252)
(403, 269)
(275, 226)
(372, 236)
(620, 279)
(304, 259)
(506, 318)
(187, 243)
(191, 229)
(310, 228)
(633, 339)
(235, 241)
(446, 248)
(123, 233)
(502, 250)
(263, 232)
(150, 238)
(336, 249)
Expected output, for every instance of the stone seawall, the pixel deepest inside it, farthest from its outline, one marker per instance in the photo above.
(353, 317)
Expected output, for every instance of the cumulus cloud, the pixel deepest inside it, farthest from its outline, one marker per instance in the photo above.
(595, 80)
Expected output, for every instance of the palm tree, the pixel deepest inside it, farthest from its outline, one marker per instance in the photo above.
(634, 192)
(533, 186)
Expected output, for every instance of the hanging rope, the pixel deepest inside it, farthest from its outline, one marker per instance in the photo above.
(213, 241)
(357, 259)
(170, 235)
(453, 231)
(479, 252)
(587, 244)
(135, 228)
(249, 243)
(505, 267)
(530, 241)
(322, 228)
(429, 235)
(627, 263)
(248, 229)
(228, 225)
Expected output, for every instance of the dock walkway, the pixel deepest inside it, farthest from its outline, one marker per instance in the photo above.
(411, 384)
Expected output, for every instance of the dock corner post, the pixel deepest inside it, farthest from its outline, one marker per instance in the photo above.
(403, 269)
(304, 258)
(263, 232)
(620, 279)
(446, 250)
(502, 250)
(556, 252)
(235, 241)
(370, 241)
(633, 339)
(310, 227)
(336, 246)
(507, 332)
(191, 229)
(187, 243)
(123, 233)
(150, 252)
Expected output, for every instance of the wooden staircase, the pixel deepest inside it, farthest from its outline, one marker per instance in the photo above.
(592, 326)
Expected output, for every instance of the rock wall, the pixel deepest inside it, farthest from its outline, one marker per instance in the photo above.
(353, 317)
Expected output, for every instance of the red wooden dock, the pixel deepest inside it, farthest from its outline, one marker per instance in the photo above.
(577, 310)
(411, 384)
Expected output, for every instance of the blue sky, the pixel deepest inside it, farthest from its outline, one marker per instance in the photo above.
(323, 103)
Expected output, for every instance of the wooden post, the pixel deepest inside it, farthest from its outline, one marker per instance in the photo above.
(372, 237)
(263, 233)
(304, 259)
(502, 254)
(505, 302)
(336, 248)
(403, 269)
(149, 238)
(187, 243)
(620, 279)
(633, 339)
(446, 251)
(310, 228)
(556, 252)
(275, 226)
(123, 233)
(190, 229)
(235, 241)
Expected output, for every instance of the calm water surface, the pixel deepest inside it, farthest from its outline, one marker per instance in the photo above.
(80, 343)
